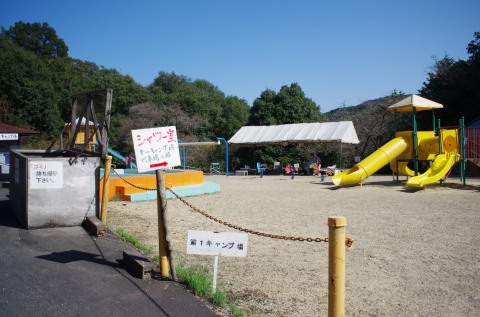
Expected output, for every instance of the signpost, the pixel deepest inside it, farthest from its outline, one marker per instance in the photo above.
(157, 149)
(217, 243)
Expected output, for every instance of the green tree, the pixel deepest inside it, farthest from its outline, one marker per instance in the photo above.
(234, 115)
(456, 85)
(26, 84)
(290, 105)
(197, 98)
(38, 38)
(263, 111)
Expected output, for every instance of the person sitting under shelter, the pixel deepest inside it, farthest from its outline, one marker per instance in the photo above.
(314, 166)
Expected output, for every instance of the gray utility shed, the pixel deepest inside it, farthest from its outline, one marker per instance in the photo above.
(53, 188)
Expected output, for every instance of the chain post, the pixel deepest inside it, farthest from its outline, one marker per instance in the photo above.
(106, 187)
(336, 266)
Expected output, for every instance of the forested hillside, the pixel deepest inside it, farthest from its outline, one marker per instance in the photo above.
(38, 79)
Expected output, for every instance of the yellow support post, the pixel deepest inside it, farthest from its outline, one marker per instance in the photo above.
(106, 181)
(336, 266)
(162, 231)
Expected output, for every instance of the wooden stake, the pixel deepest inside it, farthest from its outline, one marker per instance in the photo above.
(163, 232)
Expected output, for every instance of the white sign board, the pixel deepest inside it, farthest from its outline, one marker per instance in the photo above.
(45, 174)
(8, 136)
(156, 148)
(220, 243)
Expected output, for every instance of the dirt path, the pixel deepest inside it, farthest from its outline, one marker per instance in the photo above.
(416, 253)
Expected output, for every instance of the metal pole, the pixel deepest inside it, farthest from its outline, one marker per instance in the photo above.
(106, 187)
(463, 160)
(336, 266)
(183, 155)
(162, 235)
(415, 141)
(226, 154)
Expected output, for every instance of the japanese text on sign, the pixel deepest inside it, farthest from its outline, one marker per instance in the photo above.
(46, 174)
(8, 136)
(220, 243)
(156, 148)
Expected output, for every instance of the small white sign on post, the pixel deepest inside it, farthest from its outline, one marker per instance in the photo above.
(156, 148)
(217, 243)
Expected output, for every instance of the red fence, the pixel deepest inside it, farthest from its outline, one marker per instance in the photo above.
(472, 142)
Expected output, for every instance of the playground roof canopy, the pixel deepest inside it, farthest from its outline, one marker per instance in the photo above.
(316, 132)
(414, 101)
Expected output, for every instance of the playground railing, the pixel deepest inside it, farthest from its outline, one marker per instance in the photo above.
(472, 143)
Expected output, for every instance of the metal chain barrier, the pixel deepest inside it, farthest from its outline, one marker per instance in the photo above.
(268, 235)
(348, 241)
(129, 183)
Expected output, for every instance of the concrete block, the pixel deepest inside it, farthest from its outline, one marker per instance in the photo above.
(95, 226)
(137, 264)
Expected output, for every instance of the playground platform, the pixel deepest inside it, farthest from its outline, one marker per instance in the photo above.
(129, 185)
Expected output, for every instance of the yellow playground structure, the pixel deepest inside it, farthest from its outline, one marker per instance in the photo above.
(440, 148)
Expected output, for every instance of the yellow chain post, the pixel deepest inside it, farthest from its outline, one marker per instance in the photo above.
(336, 266)
(106, 186)
(162, 234)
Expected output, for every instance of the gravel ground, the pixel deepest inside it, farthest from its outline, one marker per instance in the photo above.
(416, 252)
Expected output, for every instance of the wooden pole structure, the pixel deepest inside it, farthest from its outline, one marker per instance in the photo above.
(336, 266)
(163, 232)
(106, 186)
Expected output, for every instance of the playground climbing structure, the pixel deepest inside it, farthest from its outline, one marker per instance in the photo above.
(440, 148)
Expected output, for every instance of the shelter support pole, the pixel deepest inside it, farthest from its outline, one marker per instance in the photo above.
(336, 266)
(184, 156)
(463, 160)
(106, 187)
(415, 141)
(226, 154)
(162, 227)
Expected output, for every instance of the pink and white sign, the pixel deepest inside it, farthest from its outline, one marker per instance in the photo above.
(156, 148)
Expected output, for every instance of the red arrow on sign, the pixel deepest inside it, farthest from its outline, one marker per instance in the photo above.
(159, 164)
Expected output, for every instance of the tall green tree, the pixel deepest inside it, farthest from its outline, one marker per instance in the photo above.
(456, 85)
(234, 115)
(197, 97)
(26, 84)
(39, 38)
(290, 105)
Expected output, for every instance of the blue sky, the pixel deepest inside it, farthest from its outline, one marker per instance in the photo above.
(339, 52)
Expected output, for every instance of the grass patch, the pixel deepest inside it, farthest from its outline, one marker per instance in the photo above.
(236, 311)
(127, 237)
(196, 278)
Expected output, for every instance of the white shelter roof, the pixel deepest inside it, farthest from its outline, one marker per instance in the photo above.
(414, 101)
(316, 132)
